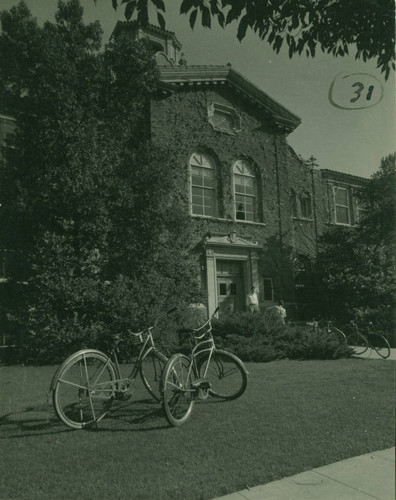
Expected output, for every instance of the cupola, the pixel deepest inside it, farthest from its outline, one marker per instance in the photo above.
(165, 45)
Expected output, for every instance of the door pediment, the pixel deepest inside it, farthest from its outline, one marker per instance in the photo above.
(230, 240)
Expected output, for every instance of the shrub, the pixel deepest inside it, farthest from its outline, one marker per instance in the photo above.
(255, 338)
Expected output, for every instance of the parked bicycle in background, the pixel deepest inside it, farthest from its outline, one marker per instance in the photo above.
(360, 342)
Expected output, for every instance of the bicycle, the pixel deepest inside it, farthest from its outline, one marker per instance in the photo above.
(361, 343)
(205, 371)
(85, 385)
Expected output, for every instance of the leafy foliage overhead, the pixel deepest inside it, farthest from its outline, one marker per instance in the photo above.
(304, 27)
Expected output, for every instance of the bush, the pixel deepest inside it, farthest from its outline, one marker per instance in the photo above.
(255, 338)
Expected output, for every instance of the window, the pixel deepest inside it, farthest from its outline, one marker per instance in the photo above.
(268, 290)
(306, 206)
(293, 203)
(244, 191)
(7, 127)
(342, 205)
(203, 185)
(224, 118)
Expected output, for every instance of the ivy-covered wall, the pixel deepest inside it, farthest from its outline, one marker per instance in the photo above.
(179, 120)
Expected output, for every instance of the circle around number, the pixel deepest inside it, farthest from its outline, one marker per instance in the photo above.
(353, 108)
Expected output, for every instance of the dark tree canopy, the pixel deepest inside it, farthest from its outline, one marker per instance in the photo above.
(303, 27)
(86, 201)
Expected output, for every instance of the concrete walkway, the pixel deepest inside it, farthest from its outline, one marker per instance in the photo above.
(371, 354)
(367, 477)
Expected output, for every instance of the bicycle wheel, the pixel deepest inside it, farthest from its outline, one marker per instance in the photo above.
(84, 389)
(380, 345)
(151, 369)
(357, 342)
(339, 334)
(178, 391)
(226, 373)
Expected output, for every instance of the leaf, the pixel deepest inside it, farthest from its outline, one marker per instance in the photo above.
(221, 19)
(242, 27)
(161, 20)
(130, 9)
(206, 19)
(193, 18)
(232, 15)
(142, 7)
(186, 6)
(159, 4)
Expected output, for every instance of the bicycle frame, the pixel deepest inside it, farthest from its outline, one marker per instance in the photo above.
(200, 348)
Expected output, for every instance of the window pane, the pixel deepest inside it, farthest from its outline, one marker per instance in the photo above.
(341, 196)
(245, 191)
(209, 211)
(250, 216)
(197, 210)
(342, 215)
(197, 200)
(223, 288)
(306, 208)
(208, 182)
(233, 289)
(196, 180)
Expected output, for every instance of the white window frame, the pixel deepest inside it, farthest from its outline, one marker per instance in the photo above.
(206, 162)
(348, 206)
(305, 196)
(2, 140)
(254, 196)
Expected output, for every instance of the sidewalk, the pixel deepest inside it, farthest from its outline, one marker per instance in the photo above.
(370, 476)
(369, 354)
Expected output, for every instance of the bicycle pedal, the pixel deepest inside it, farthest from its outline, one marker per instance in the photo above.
(201, 383)
(122, 396)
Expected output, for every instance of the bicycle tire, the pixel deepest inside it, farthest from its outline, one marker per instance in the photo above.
(177, 389)
(380, 344)
(358, 343)
(84, 388)
(151, 369)
(226, 374)
(339, 334)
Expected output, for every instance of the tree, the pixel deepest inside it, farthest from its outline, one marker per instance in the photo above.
(87, 203)
(305, 26)
(355, 270)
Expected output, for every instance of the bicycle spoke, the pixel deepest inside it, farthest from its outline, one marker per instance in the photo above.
(84, 389)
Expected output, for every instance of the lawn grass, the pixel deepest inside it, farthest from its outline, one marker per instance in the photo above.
(295, 415)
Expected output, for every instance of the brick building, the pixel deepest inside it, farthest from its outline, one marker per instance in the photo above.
(257, 207)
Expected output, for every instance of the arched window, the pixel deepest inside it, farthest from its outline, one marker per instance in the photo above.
(203, 185)
(293, 203)
(306, 206)
(245, 191)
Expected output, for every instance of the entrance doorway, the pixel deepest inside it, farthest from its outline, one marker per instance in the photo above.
(230, 290)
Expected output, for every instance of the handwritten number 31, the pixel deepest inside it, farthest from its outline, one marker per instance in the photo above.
(359, 89)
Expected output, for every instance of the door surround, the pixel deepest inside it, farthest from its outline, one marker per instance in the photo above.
(230, 247)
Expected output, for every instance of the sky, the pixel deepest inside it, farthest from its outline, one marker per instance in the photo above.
(347, 140)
